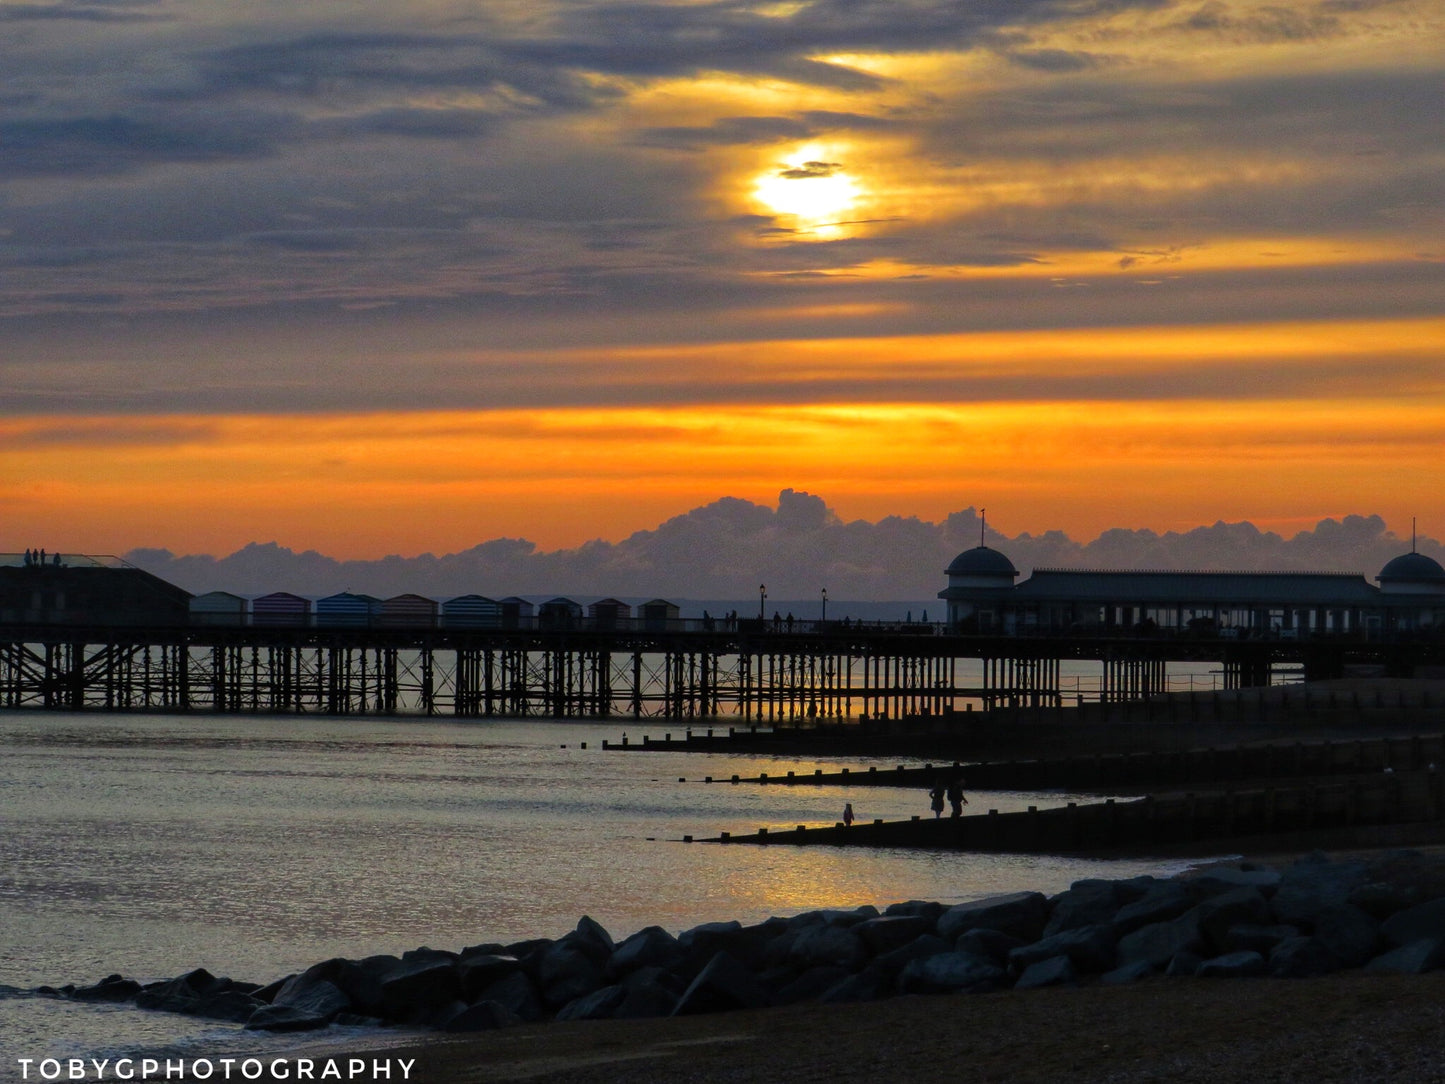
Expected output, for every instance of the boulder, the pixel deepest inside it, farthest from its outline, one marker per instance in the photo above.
(651, 992)
(114, 988)
(361, 987)
(1162, 901)
(286, 1018)
(1089, 949)
(915, 909)
(1312, 884)
(828, 946)
(482, 1016)
(568, 970)
(870, 984)
(1160, 942)
(517, 994)
(594, 938)
(317, 996)
(1236, 906)
(650, 947)
(1184, 965)
(918, 949)
(1053, 971)
(1129, 973)
(234, 1006)
(1380, 899)
(599, 1005)
(1252, 937)
(1301, 958)
(478, 972)
(1087, 903)
(1350, 935)
(810, 985)
(990, 943)
(1224, 878)
(721, 986)
(1019, 914)
(1233, 965)
(890, 932)
(419, 982)
(1418, 923)
(948, 972)
(1416, 958)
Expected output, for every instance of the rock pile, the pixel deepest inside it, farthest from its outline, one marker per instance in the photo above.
(1312, 917)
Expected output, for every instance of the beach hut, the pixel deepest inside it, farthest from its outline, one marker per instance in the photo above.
(280, 608)
(472, 612)
(516, 613)
(659, 615)
(218, 608)
(559, 613)
(347, 610)
(408, 611)
(609, 613)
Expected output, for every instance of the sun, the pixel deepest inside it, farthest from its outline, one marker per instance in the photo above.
(808, 187)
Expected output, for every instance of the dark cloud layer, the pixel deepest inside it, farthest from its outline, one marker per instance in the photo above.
(724, 549)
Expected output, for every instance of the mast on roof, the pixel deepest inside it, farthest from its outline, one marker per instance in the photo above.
(982, 525)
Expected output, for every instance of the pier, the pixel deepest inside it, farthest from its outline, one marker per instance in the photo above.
(824, 675)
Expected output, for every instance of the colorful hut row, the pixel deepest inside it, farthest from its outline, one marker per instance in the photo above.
(348, 610)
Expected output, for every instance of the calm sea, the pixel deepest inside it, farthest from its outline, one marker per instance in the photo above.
(256, 846)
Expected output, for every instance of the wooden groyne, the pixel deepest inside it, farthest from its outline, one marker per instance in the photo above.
(1124, 772)
(1387, 799)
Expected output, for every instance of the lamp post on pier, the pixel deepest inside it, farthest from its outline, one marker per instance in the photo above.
(825, 606)
(762, 600)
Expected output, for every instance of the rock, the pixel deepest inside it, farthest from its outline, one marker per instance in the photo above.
(918, 949)
(870, 984)
(1418, 923)
(1415, 958)
(235, 1006)
(419, 982)
(1301, 958)
(651, 992)
(1089, 949)
(990, 943)
(1163, 901)
(650, 947)
(1233, 965)
(1236, 906)
(478, 972)
(890, 932)
(1160, 942)
(810, 985)
(598, 1005)
(113, 988)
(317, 996)
(517, 994)
(828, 946)
(286, 1018)
(482, 1016)
(1380, 900)
(1252, 937)
(567, 971)
(1349, 934)
(180, 994)
(1215, 879)
(1053, 971)
(951, 971)
(1129, 973)
(723, 985)
(1185, 964)
(1312, 884)
(1019, 914)
(1086, 903)
(915, 909)
(593, 937)
(707, 933)
(361, 988)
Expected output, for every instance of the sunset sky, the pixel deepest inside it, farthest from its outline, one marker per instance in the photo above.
(402, 277)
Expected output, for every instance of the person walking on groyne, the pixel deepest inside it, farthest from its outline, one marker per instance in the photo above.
(955, 795)
(847, 814)
(937, 794)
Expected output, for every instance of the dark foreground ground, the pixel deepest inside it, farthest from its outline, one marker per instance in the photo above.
(1345, 1027)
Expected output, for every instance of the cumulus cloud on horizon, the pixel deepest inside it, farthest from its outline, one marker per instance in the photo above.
(724, 549)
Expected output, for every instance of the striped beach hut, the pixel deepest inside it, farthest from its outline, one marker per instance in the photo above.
(347, 610)
(472, 612)
(280, 608)
(516, 613)
(218, 608)
(408, 611)
(659, 615)
(609, 613)
(559, 613)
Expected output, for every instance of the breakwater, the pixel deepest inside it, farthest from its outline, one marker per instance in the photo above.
(1232, 920)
